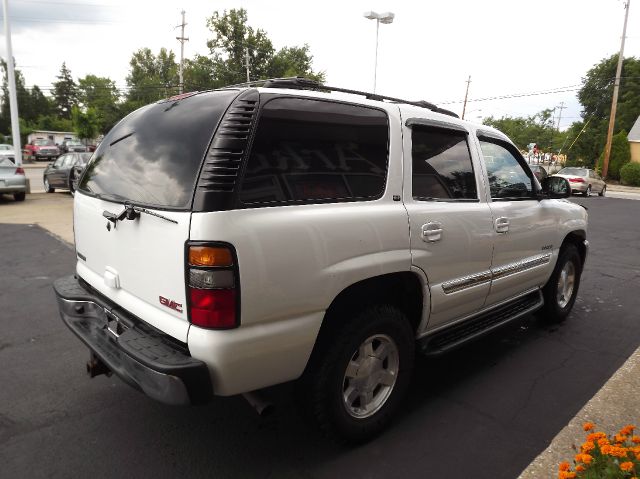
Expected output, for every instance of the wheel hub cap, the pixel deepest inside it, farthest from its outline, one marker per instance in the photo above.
(566, 282)
(370, 376)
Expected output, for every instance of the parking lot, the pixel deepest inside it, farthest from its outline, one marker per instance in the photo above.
(484, 411)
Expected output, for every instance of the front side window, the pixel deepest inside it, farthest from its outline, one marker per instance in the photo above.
(507, 177)
(311, 151)
(442, 167)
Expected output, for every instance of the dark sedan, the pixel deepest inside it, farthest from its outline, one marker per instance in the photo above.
(61, 173)
(72, 146)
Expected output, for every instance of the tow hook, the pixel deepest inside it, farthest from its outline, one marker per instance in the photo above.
(95, 367)
(257, 401)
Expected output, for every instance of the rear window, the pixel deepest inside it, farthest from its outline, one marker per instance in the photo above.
(153, 156)
(573, 171)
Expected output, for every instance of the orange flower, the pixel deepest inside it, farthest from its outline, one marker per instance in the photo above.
(628, 429)
(635, 439)
(606, 449)
(588, 446)
(580, 468)
(620, 438)
(594, 436)
(566, 475)
(603, 442)
(564, 466)
(626, 466)
(586, 458)
(588, 426)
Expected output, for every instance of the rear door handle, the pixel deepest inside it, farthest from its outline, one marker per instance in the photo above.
(432, 232)
(502, 225)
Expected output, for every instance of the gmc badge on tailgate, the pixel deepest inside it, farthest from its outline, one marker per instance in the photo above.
(170, 303)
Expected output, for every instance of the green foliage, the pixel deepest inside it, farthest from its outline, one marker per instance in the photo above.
(101, 95)
(85, 124)
(198, 74)
(630, 174)
(151, 77)
(53, 123)
(620, 155)
(537, 128)
(595, 96)
(233, 35)
(65, 93)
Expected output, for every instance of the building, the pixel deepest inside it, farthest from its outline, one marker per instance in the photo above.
(56, 136)
(634, 141)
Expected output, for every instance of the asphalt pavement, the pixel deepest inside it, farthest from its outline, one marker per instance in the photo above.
(485, 411)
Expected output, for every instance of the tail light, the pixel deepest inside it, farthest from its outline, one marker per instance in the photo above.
(576, 180)
(19, 170)
(213, 287)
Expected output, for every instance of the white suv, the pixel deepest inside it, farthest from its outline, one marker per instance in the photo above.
(235, 239)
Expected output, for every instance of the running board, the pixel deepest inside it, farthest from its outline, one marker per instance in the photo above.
(450, 338)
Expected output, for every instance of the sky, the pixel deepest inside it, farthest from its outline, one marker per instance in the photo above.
(510, 48)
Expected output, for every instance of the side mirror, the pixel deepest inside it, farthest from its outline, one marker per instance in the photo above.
(556, 187)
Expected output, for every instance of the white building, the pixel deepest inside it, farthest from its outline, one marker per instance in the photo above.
(57, 136)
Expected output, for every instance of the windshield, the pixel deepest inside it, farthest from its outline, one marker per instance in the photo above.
(43, 143)
(573, 171)
(74, 143)
(153, 156)
(6, 147)
(6, 162)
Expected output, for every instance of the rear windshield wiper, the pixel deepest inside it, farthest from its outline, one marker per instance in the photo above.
(131, 212)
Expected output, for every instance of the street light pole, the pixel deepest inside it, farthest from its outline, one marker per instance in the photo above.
(379, 18)
(13, 100)
(614, 101)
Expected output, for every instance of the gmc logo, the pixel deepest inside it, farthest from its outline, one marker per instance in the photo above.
(170, 303)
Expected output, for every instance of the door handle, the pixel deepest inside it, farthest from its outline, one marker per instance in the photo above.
(502, 225)
(432, 232)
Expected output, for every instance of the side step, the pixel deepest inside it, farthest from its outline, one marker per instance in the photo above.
(450, 338)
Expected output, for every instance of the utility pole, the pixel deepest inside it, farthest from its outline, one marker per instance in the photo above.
(466, 95)
(246, 62)
(561, 107)
(614, 101)
(13, 99)
(182, 39)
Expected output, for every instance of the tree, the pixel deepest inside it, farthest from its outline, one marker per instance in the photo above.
(85, 124)
(65, 93)
(595, 97)
(101, 95)
(39, 104)
(536, 128)
(151, 77)
(233, 36)
(620, 155)
(22, 95)
(198, 74)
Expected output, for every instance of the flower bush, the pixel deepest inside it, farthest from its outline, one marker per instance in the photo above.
(604, 457)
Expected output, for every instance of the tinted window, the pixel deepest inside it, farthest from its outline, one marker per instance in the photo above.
(153, 156)
(84, 157)
(314, 151)
(507, 177)
(442, 166)
(69, 160)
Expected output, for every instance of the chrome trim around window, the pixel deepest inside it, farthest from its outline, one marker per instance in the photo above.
(469, 281)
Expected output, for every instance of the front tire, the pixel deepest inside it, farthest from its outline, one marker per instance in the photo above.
(561, 290)
(588, 192)
(47, 186)
(603, 191)
(356, 380)
(19, 196)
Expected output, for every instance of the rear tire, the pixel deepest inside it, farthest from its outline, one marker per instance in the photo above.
(588, 192)
(603, 192)
(19, 196)
(47, 187)
(561, 290)
(357, 377)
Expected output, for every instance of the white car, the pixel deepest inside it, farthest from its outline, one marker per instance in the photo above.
(235, 239)
(8, 152)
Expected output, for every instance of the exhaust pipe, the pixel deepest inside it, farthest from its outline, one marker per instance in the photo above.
(95, 367)
(257, 401)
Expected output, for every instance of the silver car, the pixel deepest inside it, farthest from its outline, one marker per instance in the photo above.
(12, 180)
(583, 180)
(6, 151)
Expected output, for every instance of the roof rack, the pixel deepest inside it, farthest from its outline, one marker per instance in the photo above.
(301, 83)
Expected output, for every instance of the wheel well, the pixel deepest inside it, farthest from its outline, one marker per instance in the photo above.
(577, 238)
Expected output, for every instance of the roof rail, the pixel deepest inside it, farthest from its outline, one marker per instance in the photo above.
(301, 83)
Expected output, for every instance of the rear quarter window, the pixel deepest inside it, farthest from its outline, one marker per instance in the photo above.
(312, 151)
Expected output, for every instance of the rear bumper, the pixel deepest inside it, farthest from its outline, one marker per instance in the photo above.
(141, 356)
(16, 187)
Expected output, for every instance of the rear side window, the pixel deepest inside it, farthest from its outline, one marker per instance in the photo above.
(442, 167)
(310, 151)
(153, 156)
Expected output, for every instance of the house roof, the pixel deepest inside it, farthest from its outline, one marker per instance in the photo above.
(634, 134)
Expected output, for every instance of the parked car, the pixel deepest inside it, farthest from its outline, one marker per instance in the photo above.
(583, 180)
(7, 151)
(61, 174)
(539, 171)
(41, 149)
(235, 239)
(72, 146)
(12, 180)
